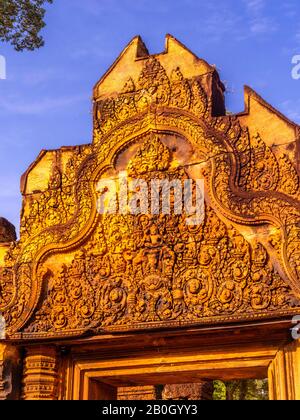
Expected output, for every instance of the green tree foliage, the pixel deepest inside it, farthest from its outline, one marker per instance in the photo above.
(219, 390)
(21, 22)
(241, 390)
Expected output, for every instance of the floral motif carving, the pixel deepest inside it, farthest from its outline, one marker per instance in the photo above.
(154, 269)
(167, 274)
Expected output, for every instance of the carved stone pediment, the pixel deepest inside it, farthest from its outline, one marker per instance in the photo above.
(75, 271)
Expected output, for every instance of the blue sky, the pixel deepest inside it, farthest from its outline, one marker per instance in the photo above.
(45, 102)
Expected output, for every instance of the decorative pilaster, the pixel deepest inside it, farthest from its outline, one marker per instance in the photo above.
(284, 374)
(9, 373)
(40, 377)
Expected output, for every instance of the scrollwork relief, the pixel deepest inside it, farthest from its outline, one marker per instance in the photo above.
(132, 271)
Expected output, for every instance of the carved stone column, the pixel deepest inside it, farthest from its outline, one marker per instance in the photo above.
(40, 376)
(195, 391)
(9, 373)
(284, 374)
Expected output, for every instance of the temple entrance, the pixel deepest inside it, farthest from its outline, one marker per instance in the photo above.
(199, 391)
(131, 367)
